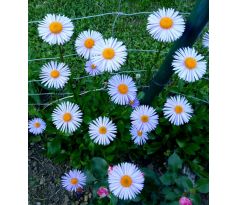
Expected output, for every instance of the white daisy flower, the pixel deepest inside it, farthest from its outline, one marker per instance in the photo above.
(67, 117)
(188, 64)
(138, 136)
(56, 29)
(36, 126)
(109, 54)
(205, 40)
(166, 25)
(121, 89)
(54, 75)
(86, 42)
(102, 131)
(73, 180)
(92, 69)
(144, 118)
(126, 181)
(178, 110)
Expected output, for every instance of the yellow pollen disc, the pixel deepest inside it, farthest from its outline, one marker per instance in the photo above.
(144, 118)
(178, 109)
(67, 117)
(166, 22)
(126, 181)
(74, 181)
(55, 74)
(131, 102)
(89, 43)
(139, 133)
(123, 88)
(56, 27)
(190, 63)
(108, 53)
(93, 66)
(37, 125)
(102, 130)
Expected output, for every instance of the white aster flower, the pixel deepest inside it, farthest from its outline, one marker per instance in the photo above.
(144, 118)
(188, 64)
(36, 126)
(73, 180)
(67, 117)
(86, 42)
(205, 40)
(54, 75)
(92, 69)
(121, 89)
(166, 25)
(109, 54)
(138, 136)
(178, 110)
(56, 29)
(102, 131)
(126, 181)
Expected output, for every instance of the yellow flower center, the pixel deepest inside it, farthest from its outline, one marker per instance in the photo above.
(93, 66)
(166, 22)
(139, 133)
(67, 117)
(74, 181)
(56, 27)
(108, 53)
(144, 118)
(178, 109)
(55, 73)
(102, 130)
(126, 181)
(37, 125)
(89, 43)
(123, 88)
(190, 63)
(131, 102)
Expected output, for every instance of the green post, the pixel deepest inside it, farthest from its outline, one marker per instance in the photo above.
(195, 24)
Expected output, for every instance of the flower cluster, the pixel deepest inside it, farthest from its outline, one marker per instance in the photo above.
(125, 180)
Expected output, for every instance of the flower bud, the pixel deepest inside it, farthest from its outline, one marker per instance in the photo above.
(102, 192)
(185, 201)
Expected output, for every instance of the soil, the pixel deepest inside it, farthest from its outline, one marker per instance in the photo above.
(44, 187)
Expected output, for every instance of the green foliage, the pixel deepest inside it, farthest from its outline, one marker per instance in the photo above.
(169, 147)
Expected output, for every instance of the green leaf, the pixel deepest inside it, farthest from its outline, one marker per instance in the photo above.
(181, 143)
(166, 179)
(36, 138)
(99, 167)
(113, 200)
(203, 185)
(196, 199)
(184, 182)
(53, 147)
(174, 162)
(151, 176)
(170, 195)
(120, 126)
(90, 178)
(140, 95)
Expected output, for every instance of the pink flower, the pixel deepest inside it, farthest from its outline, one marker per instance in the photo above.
(110, 168)
(102, 192)
(185, 201)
